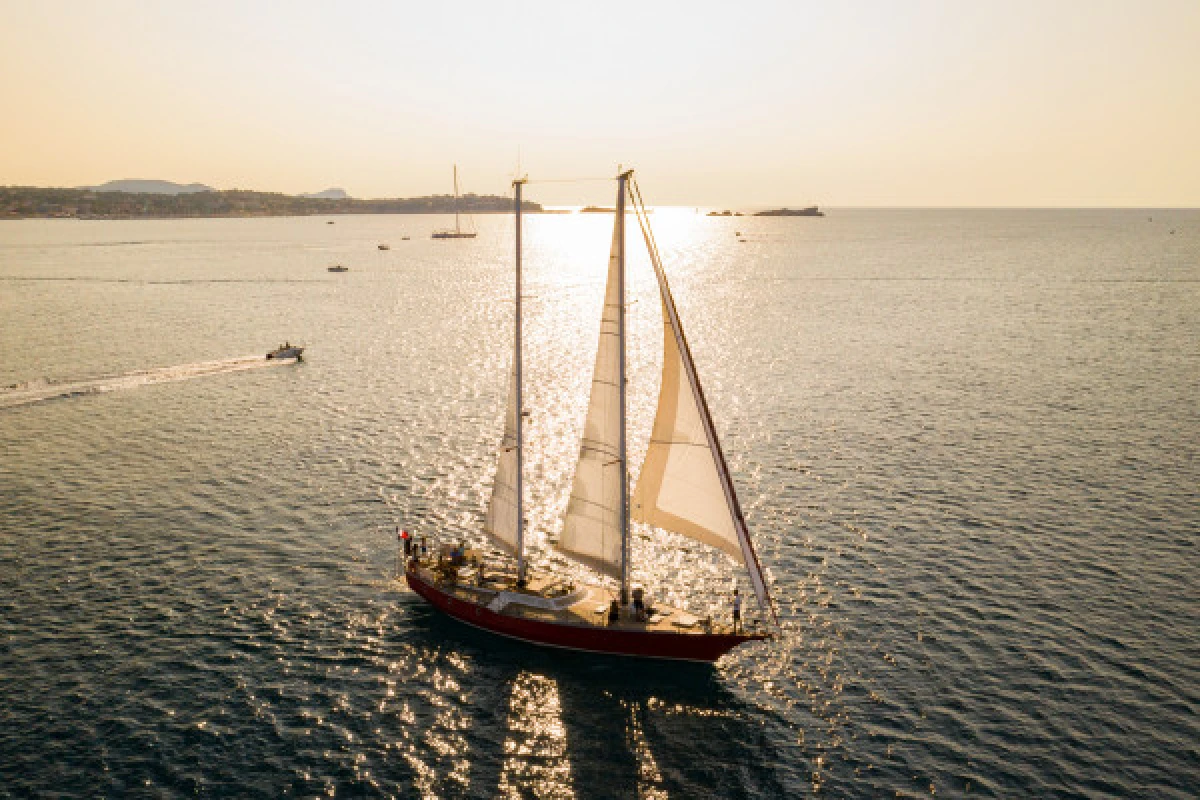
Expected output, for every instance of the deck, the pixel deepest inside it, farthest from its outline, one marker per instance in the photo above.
(478, 585)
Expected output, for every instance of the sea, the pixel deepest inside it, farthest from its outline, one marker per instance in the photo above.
(967, 445)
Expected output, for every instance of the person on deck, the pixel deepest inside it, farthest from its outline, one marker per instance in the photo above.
(737, 611)
(407, 540)
(614, 613)
(639, 605)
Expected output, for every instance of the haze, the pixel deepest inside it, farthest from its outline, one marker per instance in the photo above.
(722, 104)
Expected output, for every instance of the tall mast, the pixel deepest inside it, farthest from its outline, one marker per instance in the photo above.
(456, 230)
(622, 462)
(517, 184)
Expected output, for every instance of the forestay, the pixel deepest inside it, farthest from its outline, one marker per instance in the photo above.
(592, 526)
(685, 485)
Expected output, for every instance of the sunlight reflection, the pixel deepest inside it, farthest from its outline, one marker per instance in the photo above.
(435, 755)
(535, 750)
(649, 777)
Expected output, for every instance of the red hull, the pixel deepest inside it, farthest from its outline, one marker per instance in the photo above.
(705, 647)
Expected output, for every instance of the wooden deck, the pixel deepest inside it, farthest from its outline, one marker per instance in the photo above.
(479, 585)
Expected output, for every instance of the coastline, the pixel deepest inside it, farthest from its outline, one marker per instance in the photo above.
(30, 202)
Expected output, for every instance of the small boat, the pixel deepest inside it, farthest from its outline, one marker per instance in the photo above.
(338, 268)
(458, 232)
(685, 487)
(286, 350)
(385, 247)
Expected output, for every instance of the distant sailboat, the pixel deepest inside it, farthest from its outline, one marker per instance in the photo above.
(458, 232)
(685, 487)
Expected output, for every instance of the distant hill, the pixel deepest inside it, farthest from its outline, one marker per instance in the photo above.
(328, 194)
(17, 202)
(150, 187)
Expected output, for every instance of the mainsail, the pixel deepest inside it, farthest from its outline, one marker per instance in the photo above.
(501, 519)
(592, 527)
(684, 485)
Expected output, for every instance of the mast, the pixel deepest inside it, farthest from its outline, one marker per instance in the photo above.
(517, 184)
(622, 462)
(456, 230)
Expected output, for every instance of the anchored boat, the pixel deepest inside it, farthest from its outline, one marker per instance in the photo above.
(684, 486)
(458, 232)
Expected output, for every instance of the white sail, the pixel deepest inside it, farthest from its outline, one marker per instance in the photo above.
(501, 519)
(684, 485)
(592, 526)
(679, 487)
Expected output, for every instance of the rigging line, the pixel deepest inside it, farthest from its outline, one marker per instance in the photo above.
(568, 180)
(644, 224)
(639, 207)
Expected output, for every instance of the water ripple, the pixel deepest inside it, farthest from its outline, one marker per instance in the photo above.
(965, 443)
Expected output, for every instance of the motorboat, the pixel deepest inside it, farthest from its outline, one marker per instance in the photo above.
(286, 350)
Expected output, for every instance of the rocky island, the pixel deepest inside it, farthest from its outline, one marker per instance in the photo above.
(811, 211)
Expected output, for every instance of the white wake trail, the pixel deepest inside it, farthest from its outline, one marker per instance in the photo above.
(41, 390)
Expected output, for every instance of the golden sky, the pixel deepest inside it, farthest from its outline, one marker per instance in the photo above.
(981, 103)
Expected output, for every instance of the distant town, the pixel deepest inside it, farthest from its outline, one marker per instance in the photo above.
(163, 199)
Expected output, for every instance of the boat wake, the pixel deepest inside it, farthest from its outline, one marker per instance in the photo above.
(41, 390)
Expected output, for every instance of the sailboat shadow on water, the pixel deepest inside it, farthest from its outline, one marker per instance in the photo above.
(567, 724)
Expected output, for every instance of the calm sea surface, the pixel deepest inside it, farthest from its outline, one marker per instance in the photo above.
(966, 441)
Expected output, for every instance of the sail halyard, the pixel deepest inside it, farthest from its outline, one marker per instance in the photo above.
(505, 518)
(519, 393)
(622, 458)
(685, 476)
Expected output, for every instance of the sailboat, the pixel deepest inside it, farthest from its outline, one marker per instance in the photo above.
(458, 232)
(684, 487)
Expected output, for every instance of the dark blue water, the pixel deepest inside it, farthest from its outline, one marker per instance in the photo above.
(966, 443)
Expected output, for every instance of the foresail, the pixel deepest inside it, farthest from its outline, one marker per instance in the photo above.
(500, 521)
(680, 486)
(592, 525)
(684, 485)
